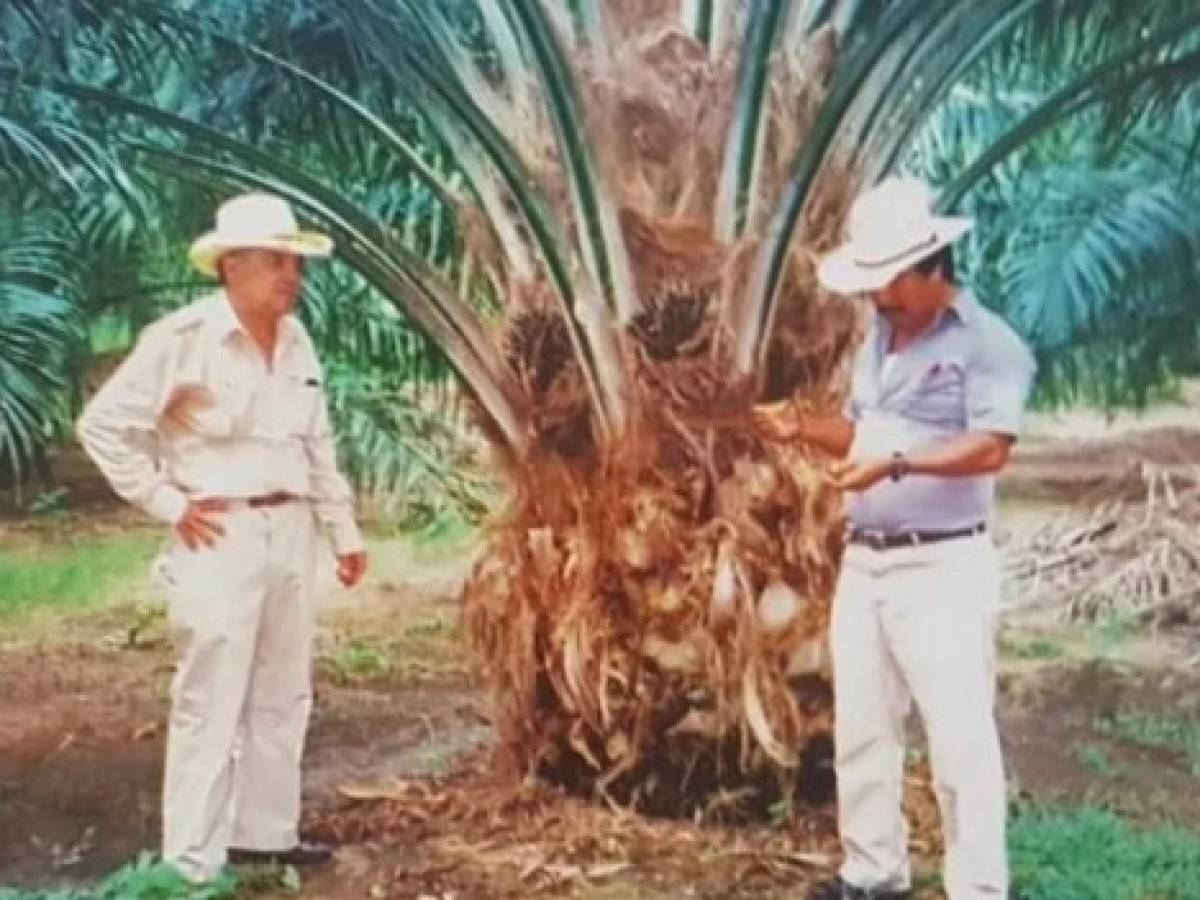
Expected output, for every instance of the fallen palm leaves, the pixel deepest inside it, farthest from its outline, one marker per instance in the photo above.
(477, 834)
(1138, 559)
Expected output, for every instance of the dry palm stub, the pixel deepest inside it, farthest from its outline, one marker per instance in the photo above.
(651, 613)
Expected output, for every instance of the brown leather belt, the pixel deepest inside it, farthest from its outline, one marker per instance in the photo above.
(878, 539)
(276, 498)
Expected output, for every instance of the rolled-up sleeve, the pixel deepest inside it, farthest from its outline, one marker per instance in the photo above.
(118, 429)
(998, 384)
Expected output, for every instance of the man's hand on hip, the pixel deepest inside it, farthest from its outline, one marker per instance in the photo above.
(351, 568)
(199, 526)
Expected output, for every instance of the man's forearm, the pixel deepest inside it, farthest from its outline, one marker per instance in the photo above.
(832, 433)
(128, 468)
(975, 453)
(117, 431)
(333, 500)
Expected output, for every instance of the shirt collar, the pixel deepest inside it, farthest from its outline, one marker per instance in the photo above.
(962, 310)
(222, 317)
(226, 322)
(964, 307)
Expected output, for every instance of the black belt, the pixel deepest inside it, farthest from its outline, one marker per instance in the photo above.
(878, 539)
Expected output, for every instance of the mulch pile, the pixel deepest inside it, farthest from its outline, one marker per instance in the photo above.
(479, 834)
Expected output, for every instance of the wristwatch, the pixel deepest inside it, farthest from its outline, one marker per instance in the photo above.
(899, 467)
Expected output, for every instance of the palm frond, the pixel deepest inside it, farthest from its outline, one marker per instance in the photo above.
(589, 18)
(40, 326)
(751, 320)
(1077, 264)
(420, 66)
(1121, 81)
(700, 17)
(964, 41)
(743, 146)
(26, 153)
(499, 26)
(480, 179)
(1137, 356)
(605, 253)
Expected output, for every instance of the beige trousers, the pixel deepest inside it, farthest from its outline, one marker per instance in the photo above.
(240, 700)
(919, 624)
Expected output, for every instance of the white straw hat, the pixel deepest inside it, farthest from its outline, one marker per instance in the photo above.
(255, 221)
(891, 228)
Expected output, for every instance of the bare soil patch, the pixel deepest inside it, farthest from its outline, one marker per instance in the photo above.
(83, 722)
(1094, 734)
(1065, 469)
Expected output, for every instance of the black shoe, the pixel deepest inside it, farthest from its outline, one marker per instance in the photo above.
(300, 855)
(840, 890)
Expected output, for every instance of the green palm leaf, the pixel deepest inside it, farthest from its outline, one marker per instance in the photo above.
(743, 144)
(752, 319)
(1075, 266)
(1118, 80)
(595, 211)
(420, 67)
(39, 327)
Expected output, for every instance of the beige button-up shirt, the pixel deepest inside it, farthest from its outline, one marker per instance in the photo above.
(196, 411)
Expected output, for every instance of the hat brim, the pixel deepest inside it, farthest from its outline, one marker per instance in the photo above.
(209, 248)
(843, 272)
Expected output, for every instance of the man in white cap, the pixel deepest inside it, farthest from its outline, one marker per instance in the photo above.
(937, 393)
(216, 423)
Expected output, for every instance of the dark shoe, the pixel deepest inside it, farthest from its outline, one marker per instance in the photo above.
(840, 890)
(300, 855)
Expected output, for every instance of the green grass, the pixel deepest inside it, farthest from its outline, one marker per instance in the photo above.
(70, 576)
(1148, 729)
(359, 660)
(1092, 854)
(447, 530)
(1112, 632)
(149, 879)
(1096, 760)
(1024, 646)
(144, 879)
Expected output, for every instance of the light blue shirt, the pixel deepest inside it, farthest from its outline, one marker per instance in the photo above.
(969, 372)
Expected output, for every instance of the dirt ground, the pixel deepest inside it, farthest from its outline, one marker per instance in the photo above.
(399, 773)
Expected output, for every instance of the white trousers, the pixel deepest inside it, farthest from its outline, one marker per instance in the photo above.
(918, 623)
(240, 701)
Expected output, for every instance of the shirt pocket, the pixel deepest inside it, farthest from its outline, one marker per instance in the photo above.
(939, 397)
(302, 396)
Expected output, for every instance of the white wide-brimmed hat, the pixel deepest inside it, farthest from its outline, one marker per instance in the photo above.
(891, 228)
(255, 221)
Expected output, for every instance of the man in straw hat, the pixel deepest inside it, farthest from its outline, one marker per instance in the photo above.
(216, 424)
(937, 393)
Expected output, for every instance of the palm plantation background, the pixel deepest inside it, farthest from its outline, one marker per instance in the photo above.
(574, 245)
(1068, 128)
